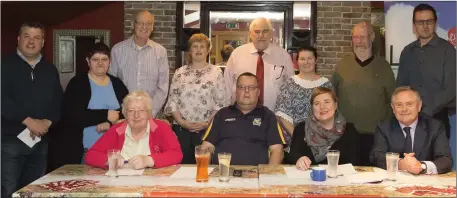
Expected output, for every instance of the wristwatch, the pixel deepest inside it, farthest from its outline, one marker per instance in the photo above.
(424, 168)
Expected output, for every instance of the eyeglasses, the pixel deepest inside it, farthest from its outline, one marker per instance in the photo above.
(361, 37)
(133, 111)
(423, 22)
(144, 24)
(243, 87)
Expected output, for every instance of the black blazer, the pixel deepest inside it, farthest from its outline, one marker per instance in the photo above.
(348, 145)
(67, 146)
(430, 142)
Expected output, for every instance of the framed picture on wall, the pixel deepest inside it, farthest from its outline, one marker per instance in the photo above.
(67, 56)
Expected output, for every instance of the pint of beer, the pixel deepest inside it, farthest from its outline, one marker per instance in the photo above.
(202, 155)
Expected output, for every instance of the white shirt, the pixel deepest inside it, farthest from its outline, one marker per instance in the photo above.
(132, 148)
(278, 67)
(431, 168)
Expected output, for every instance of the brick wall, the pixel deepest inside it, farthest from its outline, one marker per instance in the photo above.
(334, 24)
(164, 26)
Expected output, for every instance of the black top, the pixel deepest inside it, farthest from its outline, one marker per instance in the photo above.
(431, 70)
(28, 92)
(246, 136)
(348, 145)
(68, 145)
(364, 63)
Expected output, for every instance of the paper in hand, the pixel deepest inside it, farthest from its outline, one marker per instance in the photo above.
(25, 137)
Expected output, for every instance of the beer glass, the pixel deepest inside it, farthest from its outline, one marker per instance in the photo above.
(333, 157)
(113, 158)
(392, 166)
(202, 155)
(224, 166)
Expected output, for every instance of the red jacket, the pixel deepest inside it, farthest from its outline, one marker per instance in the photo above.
(164, 145)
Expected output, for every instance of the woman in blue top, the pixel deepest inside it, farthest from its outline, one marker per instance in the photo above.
(91, 104)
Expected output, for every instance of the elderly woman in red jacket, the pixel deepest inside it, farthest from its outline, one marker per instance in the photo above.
(142, 140)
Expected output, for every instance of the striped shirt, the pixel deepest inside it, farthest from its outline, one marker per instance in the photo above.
(143, 69)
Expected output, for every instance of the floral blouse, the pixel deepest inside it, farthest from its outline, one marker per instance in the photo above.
(293, 103)
(195, 93)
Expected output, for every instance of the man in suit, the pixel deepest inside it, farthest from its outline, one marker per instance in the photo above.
(419, 139)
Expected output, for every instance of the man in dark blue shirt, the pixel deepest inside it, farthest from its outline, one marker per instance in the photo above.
(428, 65)
(248, 131)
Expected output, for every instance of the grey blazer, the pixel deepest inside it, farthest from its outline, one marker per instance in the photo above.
(430, 143)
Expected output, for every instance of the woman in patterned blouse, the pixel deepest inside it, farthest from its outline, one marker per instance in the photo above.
(293, 106)
(197, 92)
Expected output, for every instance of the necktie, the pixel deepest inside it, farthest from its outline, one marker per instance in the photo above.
(259, 74)
(408, 146)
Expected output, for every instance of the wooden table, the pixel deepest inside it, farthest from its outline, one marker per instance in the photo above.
(261, 181)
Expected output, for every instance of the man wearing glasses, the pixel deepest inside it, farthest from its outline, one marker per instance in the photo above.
(269, 62)
(247, 130)
(428, 65)
(364, 83)
(141, 63)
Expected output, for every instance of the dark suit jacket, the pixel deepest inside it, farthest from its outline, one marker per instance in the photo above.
(66, 146)
(430, 142)
(348, 145)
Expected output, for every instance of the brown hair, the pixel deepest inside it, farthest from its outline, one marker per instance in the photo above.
(199, 37)
(403, 89)
(323, 90)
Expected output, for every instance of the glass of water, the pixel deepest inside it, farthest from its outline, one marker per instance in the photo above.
(224, 166)
(113, 158)
(392, 166)
(333, 156)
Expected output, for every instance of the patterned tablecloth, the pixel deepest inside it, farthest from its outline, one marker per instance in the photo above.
(261, 181)
(274, 182)
(153, 182)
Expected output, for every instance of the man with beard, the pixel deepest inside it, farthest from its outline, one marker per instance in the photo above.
(428, 65)
(270, 63)
(141, 63)
(364, 83)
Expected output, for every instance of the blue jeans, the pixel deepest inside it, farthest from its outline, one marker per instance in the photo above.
(21, 165)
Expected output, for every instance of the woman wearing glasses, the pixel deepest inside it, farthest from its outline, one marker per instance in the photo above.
(142, 140)
(197, 92)
(91, 105)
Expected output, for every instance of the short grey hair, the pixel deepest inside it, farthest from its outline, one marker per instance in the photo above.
(403, 89)
(139, 96)
(257, 20)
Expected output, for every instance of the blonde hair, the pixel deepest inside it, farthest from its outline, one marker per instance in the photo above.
(403, 89)
(138, 96)
(199, 37)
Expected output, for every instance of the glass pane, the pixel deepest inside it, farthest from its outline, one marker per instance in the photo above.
(191, 15)
(232, 28)
(302, 15)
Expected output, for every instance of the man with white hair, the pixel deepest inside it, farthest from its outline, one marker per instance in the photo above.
(364, 83)
(269, 62)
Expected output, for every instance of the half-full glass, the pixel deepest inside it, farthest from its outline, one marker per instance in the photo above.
(224, 166)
